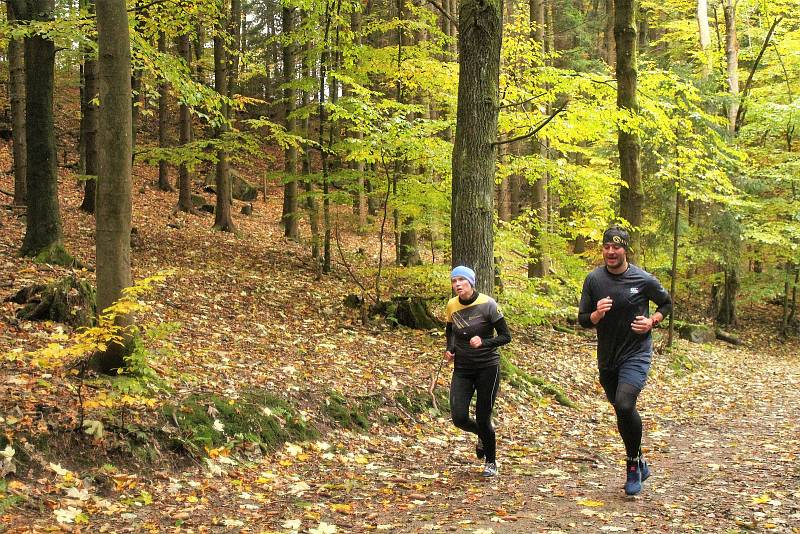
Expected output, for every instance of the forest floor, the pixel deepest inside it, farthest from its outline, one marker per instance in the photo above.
(722, 423)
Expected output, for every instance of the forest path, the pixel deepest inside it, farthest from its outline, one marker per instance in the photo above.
(723, 446)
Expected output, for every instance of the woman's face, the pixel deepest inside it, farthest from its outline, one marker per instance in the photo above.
(461, 287)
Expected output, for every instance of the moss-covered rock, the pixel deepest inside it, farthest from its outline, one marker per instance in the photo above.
(257, 417)
(241, 189)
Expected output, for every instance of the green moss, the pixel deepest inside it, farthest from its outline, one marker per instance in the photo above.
(416, 401)
(55, 254)
(680, 363)
(522, 380)
(256, 417)
(349, 414)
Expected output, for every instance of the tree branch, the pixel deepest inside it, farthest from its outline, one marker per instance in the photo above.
(443, 12)
(535, 130)
(742, 107)
(513, 104)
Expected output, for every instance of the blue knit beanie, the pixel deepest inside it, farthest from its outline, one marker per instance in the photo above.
(464, 272)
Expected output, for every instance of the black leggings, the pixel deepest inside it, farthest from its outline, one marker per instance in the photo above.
(486, 382)
(629, 423)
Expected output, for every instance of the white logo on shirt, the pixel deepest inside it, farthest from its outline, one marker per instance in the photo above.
(634, 290)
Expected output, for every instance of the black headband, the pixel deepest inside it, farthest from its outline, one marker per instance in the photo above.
(617, 236)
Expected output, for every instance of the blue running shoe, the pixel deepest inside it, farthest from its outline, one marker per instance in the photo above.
(633, 483)
(644, 469)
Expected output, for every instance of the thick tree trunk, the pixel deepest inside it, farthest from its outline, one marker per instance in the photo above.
(474, 152)
(16, 74)
(163, 118)
(113, 221)
(185, 133)
(223, 219)
(43, 229)
(632, 196)
(89, 127)
(291, 228)
(732, 56)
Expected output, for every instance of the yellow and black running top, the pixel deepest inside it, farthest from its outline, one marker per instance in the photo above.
(479, 316)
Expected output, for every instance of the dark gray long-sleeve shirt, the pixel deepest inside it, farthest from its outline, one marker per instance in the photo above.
(631, 293)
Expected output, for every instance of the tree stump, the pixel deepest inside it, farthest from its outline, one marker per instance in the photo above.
(412, 312)
(69, 300)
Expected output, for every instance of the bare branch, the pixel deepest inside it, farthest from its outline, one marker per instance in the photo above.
(535, 130)
(742, 108)
(443, 12)
(513, 104)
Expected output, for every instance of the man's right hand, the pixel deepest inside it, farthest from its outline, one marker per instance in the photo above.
(603, 305)
(448, 356)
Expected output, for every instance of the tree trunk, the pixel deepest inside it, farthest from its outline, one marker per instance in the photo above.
(223, 221)
(291, 228)
(504, 192)
(16, 71)
(632, 196)
(705, 37)
(163, 93)
(407, 247)
(89, 126)
(788, 267)
(43, 228)
(185, 133)
(311, 201)
(474, 151)
(609, 36)
(539, 264)
(236, 33)
(730, 289)
(136, 83)
(732, 56)
(360, 203)
(673, 281)
(113, 221)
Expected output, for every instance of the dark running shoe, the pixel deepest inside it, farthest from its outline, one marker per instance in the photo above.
(479, 449)
(489, 470)
(633, 482)
(644, 469)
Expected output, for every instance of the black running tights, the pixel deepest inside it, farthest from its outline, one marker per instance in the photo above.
(628, 421)
(466, 382)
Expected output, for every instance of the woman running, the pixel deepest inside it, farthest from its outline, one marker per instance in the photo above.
(472, 320)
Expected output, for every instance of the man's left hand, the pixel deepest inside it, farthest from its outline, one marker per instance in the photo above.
(475, 342)
(642, 324)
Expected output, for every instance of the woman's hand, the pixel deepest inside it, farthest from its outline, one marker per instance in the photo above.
(475, 342)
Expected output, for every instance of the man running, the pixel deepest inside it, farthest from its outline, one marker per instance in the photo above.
(615, 300)
(472, 319)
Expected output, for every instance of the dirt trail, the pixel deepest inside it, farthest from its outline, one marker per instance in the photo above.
(724, 459)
